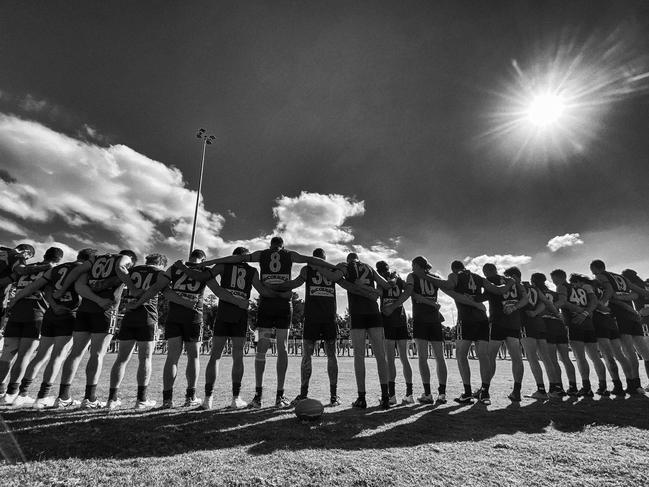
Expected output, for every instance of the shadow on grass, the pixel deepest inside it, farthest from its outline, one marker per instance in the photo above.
(129, 434)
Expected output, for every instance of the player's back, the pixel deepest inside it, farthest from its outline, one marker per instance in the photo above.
(361, 274)
(320, 296)
(275, 267)
(470, 285)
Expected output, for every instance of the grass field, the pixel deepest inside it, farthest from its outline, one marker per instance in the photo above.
(585, 442)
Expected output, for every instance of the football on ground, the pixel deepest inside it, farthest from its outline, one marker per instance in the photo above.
(309, 409)
(578, 442)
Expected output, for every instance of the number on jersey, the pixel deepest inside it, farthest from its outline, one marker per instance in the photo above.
(238, 280)
(578, 296)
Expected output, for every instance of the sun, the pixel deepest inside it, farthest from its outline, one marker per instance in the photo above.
(546, 110)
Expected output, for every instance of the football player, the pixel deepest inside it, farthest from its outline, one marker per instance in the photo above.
(12, 262)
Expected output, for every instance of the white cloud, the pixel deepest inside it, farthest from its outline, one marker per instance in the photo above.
(32, 104)
(502, 262)
(12, 227)
(567, 240)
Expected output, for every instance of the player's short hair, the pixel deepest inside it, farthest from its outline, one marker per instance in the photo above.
(197, 254)
(489, 267)
(277, 242)
(130, 254)
(558, 273)
(632, 276)
(240, 251)
(513, 272)
(457, 266)
(422, 262)
(320, 253)
(538, 279)
(156, 259)
(54, 254)
(86, 254)
(581, 278)
(352, 257)
(598, 264)
(26, 247)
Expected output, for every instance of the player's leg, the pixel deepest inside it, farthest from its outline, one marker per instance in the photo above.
(98, 347)
(571, 373)
(486, 360)
(170, 370)
(263, 344)
(305, 369)
(402, 348)
(390, 356)
(43, 353)
(9, 350)
(376, 335)
(212, 369)
(600, 370)
(606, 350)
(642, 347)
(117, 371)
(332, 371)
(551, 367)
(80, 341)
(26, 349)
(442, 370)
(424, 371)
(628, 346)
(495, 345)
(531, 352)
(358, 345)
(192, 348)
(238, 343)
(282, 366)
(553, 363)
(618, 354)
(145, 355)
(514, 349)
(462, 357)
(579, 350)
(62, 345)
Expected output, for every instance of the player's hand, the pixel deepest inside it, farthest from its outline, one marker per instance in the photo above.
(243, 303)
(579, 319)
(105, 303)
(481, 307)
(509, 309)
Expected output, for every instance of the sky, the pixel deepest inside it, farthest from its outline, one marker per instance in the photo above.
(391, 128)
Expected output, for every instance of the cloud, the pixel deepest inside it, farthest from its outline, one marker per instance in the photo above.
(502, 262)
(567, 240)
(12, 227)
(32, 104)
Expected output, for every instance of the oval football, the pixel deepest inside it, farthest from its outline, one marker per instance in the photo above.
(309, 408)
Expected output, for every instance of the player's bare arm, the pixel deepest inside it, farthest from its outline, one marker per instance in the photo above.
(225, 295)
(173, 297)
(82, 288)
(35, 286)
(72, 277)
(403, 297)
(499, 289)
(198, 275)
(365, 291)
(162, 282)
(288, 285)
(311, 260)
(275, 291)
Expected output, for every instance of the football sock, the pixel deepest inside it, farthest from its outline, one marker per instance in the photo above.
(141, 393)
(91, 393)
(408, 388)
(13, 387)
(236, 388)
(361, 395)
(517, 387)
(485, 387)
(280, 393)
(541, 387)
(24, 386)
(333, 390)
(441, 389)
(167, 395)
(467, 389)
(304, 391)
(427, 389)
(209, 388)
(190, 393)
(64, 391)
(586, 384)
(384, 390)
(391, 388)
(112, 394)
(258, 391)
(638, 384)
(617, 383)
(602, 384)
(45, 389)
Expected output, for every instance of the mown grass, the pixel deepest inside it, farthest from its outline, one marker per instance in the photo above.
(585, 442)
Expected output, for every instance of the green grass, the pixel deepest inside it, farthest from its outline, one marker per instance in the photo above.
(587, 442)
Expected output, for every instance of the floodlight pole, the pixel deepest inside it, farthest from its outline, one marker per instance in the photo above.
(207, 139)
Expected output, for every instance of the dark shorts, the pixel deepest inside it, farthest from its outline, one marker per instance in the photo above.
(57, 327)
(583, 332)
(498, 332)
(365, 321)
(533, 327)
(189, 332)
(473, 331)
(431, 332)
(275, 318)
(395, 332)
(556, 331)
(222, 328)
(319, 331)
(92, 322)
(605, 326)
(142, 333)
(629, 327)
(23, 329)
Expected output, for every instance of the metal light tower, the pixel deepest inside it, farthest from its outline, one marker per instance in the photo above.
(207, 139)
